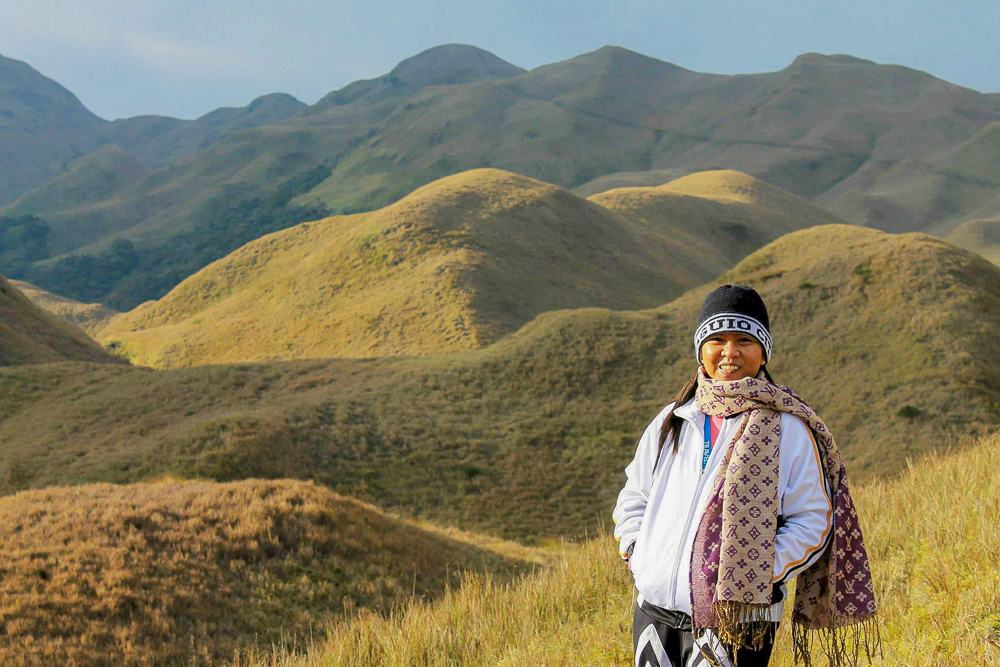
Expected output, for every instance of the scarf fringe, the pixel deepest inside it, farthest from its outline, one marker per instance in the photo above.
(742, 624)
(841, 645)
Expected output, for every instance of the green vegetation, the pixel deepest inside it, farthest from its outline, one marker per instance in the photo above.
(909, 412)
(23, 240)
(932, 542)
(805, 284)
(173, 572)
(551, 413)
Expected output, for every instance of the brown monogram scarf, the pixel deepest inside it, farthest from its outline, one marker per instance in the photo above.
(732, 564)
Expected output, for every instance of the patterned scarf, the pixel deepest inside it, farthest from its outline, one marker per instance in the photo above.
(732, 564)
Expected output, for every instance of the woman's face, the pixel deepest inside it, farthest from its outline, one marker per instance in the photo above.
(731, 356)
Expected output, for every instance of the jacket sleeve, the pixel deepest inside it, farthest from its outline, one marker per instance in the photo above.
(632, 499)
(806, 511)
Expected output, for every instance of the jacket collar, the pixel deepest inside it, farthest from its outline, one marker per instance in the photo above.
(690, 411)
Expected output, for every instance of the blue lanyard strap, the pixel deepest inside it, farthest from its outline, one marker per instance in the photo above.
(707, 451)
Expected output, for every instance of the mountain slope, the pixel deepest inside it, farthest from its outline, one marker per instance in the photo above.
(45, 127)
(91, 317)
(889, 337)
(932, 191)
(179, 572)
(980, 236)
(91, 179)
(29, 335)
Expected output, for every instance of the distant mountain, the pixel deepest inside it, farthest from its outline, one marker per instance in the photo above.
(46, 129)
(889, 337)
(29, 335)
(934, 191)
(456, 265)
(158, 141)
(979, 236)
(877, 145)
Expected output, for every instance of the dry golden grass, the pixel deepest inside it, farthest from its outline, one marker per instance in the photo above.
(455, 265)
(174, 572)
(714, 218)
(29, 335)
(91, 317)
(933, 544)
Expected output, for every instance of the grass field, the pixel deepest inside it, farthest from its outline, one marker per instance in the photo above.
(931, 536)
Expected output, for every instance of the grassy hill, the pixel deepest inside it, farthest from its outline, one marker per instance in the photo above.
(839, 130)
(455, 266)
(91, 317)
(931, 540)
(715, 218)
(29, 335)
(889, 337)
(181, 572)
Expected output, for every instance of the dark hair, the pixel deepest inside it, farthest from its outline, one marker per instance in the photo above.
(671, 427)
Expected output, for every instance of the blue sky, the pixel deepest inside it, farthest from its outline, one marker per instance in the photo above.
(184, 57)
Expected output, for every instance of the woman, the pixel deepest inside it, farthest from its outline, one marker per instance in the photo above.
(737, 487)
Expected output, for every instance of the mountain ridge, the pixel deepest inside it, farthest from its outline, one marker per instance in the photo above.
(841, 131)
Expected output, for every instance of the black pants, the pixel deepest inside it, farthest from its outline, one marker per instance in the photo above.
(657, 643)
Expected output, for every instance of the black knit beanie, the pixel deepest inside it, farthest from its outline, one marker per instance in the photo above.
(733, 308)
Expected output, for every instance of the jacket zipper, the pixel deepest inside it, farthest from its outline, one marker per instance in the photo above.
(687, 523)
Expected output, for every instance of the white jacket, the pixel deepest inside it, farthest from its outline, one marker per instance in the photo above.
(660, 511)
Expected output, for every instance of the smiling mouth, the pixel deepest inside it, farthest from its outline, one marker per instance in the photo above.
(728, 368)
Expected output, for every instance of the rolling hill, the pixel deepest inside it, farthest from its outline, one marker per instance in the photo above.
(29, 335)
(456, 265)
(981, 236)
(845, 132)
(187, 572)
(889, 337)
(716, 217)
(91, 317)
